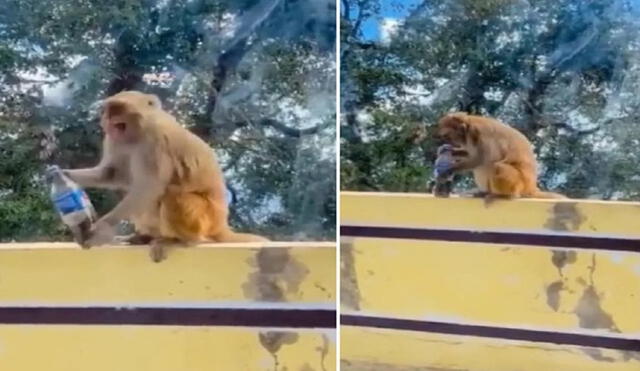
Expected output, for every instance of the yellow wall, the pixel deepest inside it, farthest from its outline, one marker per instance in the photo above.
(159, 348)
(591, 293)
(57, 276)
(602, 218)
(389, 350)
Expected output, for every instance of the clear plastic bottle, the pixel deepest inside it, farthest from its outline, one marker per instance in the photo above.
(72, 203)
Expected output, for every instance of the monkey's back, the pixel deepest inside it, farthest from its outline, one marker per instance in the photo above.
(509, 144)
(193, 162)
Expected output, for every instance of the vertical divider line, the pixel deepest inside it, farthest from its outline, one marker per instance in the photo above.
(337, 123)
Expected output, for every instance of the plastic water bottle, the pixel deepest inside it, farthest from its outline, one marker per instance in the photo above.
(72, 203)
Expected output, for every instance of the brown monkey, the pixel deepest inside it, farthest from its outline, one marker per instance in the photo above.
(173, 183)
(500, 157)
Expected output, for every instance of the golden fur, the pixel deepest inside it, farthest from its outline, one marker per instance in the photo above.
(501, 158)
(175, 187)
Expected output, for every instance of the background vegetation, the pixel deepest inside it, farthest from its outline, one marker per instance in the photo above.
(566, 73)
(254, 78)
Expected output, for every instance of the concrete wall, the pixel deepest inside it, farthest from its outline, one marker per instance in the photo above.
(456, 284)
(218, 307)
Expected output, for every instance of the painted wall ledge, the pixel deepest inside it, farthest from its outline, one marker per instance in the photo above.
(588, 218)
(454, 283)
(232, 307)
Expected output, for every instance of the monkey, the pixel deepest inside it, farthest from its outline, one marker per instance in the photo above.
(501, 158)
(173, 184)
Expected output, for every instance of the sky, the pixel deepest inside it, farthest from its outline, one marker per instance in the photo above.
(392, 11)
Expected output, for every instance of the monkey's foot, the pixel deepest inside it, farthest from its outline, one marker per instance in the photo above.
(489, 198)
(475, 194)
(158, 251)
(136, 239)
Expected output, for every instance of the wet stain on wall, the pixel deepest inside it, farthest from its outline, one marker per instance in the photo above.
(565, 216)
(272, 341)
(349, 291)
(277, 274)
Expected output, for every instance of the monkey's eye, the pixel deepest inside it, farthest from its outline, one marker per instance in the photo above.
(150, 103)
(120, 126)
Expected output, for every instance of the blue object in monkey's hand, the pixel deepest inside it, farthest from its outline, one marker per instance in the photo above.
(444, 162)
(443, 173)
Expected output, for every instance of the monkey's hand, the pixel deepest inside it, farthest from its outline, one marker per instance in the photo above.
(101, 233)
(450, 160)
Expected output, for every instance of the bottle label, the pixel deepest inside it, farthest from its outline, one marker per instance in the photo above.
(71, 201)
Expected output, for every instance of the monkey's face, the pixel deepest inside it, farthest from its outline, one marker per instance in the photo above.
(454, 130)
(122, 115)
(120, 121)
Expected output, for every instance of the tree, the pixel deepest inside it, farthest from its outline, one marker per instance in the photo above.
(253, 78)
(562, 72)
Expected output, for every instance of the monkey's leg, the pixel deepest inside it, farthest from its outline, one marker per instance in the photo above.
(477, 193)
(197, 218)
(505, 182)
(136, 239)
(185, 216)
(146, 226)
(159, 247)
(157, 252)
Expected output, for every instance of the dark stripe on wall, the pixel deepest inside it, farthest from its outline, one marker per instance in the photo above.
(492, 332)
(296, 318)
(578, 242)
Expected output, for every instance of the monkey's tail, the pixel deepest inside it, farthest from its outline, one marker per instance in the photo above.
(548, 195)
(231, 236)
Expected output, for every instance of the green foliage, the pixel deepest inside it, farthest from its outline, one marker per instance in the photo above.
(564, 73)
(261, 100)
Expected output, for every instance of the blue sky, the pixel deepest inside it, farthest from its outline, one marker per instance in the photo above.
(396, 9)
(399, 9)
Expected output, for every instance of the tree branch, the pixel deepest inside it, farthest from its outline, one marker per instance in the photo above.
(360, 19)
(570, 128)
(227, 63)
(10, 80)
(284, 129)
(128, 75)
(346, 8)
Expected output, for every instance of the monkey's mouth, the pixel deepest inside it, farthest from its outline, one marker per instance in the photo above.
(120, 126)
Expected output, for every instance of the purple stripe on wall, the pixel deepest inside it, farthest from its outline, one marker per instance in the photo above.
(492, 332)
(566, 241)
(295, 318)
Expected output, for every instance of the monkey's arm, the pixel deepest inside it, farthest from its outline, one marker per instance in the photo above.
(140, 196)
(462, 160)
(101, 176)
(110, 173)
(143, 192)
(147, 186)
